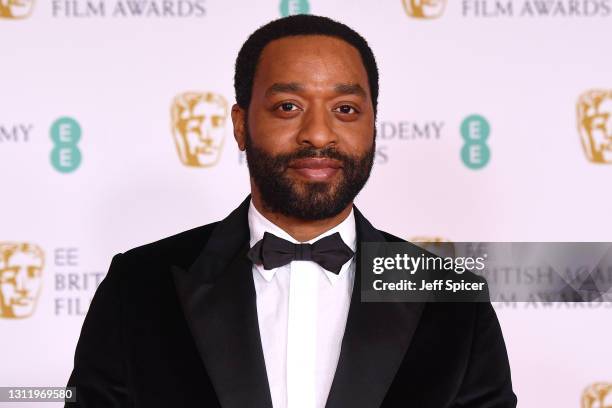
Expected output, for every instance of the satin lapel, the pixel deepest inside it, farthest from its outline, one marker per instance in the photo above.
(218, 299)
(375, 340)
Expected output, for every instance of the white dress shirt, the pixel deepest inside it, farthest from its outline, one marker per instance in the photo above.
(302, 310)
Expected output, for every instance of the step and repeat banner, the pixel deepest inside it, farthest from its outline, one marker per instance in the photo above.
(494, 124)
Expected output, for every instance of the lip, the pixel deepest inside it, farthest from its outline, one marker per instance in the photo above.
(316, 169)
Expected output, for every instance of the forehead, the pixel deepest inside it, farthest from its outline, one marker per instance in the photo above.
(196, 105)
(600, 104)
(208, 108)
(21, 258)
(606, 105)
(310, 59)
(429, 3)
(16, 3)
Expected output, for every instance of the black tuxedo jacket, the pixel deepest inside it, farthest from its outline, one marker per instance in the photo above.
(174, 324)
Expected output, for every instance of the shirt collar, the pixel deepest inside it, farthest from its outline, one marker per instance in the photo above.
(258, 224)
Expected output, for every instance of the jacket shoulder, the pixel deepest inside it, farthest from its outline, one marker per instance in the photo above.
(391, 237)
(179, 249)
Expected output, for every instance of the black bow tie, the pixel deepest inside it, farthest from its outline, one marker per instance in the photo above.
(329, 252)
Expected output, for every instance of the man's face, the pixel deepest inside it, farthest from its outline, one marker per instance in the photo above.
(20, 281)
(309, 136)
(15, 8)
(199, 127)
(595, 122)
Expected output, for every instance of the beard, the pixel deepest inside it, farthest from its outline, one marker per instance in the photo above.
(307, 200)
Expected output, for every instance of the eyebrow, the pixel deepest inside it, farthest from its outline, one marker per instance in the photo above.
(350, 89)
(294, 87)
(279, 87)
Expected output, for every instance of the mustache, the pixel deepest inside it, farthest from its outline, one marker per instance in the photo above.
(314, 153)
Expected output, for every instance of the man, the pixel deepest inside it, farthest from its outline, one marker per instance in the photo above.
(240, 313)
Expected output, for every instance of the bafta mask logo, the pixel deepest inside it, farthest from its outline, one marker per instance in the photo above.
(428, 239)
(598, 395)
(435, 244)
(424, 9)
(21, 266)
(198, 127)
(16, 9)
(595, 125)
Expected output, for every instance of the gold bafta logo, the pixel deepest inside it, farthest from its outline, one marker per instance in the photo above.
(15, 9)
(424, 9)
(428, 239)
(435, 244)
(198, 127)
(598, 395)
(595, 125)
(21, 266)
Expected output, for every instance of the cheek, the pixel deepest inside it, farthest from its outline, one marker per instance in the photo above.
(193, 138)
(31, 284)
(609, 126)
(275, 136)
(217, 134)
(8, 290)
(356, 139)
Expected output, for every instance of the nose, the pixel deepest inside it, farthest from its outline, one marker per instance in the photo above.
(22, 292)
(20, 285)
(205, 130)
(316, 129)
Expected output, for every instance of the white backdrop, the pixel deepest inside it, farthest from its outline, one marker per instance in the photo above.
(522, 65)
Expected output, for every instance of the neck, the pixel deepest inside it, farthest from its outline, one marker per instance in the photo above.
(300, 230)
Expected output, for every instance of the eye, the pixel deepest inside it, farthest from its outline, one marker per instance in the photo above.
(288, 107)
(346, 109)
(8, 275)
(217, 120)
(33, 271)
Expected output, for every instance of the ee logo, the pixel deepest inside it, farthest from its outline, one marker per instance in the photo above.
(475, 152)
(292, 7)
(65, 156)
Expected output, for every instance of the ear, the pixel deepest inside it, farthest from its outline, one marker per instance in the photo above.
(238, 119)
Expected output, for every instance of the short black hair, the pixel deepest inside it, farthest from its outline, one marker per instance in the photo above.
(301, 24)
